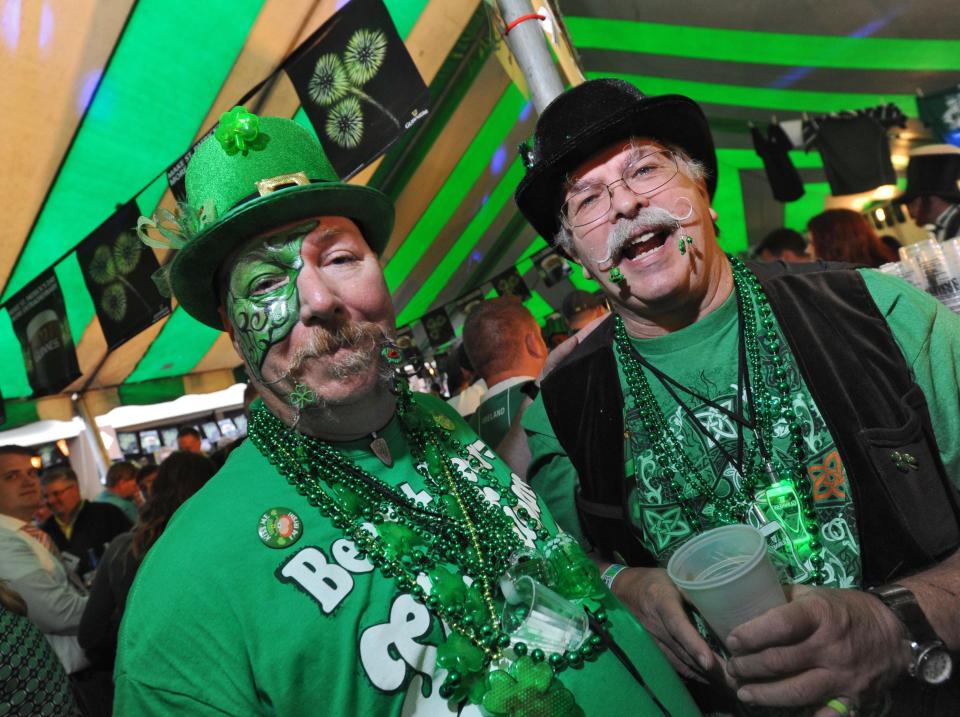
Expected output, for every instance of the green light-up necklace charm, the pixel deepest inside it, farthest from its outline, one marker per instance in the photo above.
(780, 503)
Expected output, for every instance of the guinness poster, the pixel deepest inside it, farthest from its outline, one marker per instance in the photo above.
(40, 323)
(552, 267)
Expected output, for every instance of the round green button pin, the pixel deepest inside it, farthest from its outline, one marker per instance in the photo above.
(279, 528)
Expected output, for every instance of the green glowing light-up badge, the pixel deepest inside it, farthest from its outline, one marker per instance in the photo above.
(784, 506)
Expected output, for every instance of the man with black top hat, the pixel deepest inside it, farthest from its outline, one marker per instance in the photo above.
(933, 189)
(818, 404)
(354, 554)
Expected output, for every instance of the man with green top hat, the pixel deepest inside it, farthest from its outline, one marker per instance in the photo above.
(814, 402)
(353, 555)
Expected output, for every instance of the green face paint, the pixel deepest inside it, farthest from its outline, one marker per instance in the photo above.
(262, 298)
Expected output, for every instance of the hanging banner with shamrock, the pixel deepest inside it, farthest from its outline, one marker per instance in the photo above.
(117, 269)
(510, 283)
(358, 85)
(40, 322)
(438, 327)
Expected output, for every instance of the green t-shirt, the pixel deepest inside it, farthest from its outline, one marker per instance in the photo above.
(495, 414)
(217, 622)
(703, 358)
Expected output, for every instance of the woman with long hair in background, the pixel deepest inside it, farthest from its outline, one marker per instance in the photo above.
(846, 235)
(180, 476)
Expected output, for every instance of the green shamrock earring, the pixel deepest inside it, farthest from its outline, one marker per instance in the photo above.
(684, 242)
(616, 276)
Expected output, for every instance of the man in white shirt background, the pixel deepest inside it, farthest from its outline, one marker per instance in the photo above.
(28, 563)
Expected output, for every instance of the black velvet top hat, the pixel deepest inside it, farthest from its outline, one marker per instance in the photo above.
(934, 170)
(590, 117)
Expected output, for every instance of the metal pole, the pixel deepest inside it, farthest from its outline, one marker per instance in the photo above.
(529, 47)
(100, 453)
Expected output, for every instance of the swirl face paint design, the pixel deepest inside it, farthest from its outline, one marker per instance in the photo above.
(262, 298)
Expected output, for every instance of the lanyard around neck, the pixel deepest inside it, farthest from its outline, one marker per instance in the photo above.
(737, 416)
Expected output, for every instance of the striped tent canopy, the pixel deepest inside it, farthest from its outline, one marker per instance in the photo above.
(105, 94)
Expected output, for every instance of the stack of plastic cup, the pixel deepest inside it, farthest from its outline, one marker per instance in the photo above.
(906, 270)
(942, 282)
(951, 253)
(727, 575)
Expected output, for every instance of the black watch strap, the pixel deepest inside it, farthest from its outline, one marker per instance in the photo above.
(904, 606)
(531, 389)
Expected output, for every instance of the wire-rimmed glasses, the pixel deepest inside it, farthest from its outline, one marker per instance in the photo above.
(642, 175)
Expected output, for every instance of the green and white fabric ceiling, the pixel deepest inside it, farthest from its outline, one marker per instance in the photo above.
(105, 94)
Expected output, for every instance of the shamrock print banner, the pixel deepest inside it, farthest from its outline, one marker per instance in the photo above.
(118, 270)
(510, 283)
(438, 327)
(358, 85)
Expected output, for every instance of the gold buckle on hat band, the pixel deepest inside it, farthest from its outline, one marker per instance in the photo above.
(272, 184)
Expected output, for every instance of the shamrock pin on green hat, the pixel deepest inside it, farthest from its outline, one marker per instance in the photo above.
(255, 174)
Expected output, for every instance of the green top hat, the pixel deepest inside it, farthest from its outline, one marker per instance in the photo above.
(252, 175)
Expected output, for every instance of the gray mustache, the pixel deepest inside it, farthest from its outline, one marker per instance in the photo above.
(364, 336)
(651, 219)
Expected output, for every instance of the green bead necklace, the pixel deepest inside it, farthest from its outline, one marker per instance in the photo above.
(462, 529)
(759, 328)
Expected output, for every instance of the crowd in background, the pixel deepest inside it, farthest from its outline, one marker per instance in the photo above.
(66, 566)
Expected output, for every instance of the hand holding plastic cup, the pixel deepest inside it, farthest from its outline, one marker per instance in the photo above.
(727, 575)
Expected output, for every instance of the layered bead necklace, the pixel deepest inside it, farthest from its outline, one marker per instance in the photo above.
(461, 528)
(757, 327)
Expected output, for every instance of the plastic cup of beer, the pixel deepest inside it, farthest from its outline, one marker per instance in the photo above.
(727, 575)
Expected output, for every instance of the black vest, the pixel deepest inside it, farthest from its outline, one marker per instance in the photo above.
(859, 380)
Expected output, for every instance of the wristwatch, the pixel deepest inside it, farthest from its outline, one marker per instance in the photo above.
(930, 663)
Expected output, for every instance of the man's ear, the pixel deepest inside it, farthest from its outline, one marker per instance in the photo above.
(535, 348)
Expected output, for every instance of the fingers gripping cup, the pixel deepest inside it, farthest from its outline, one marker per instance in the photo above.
(726, 574)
